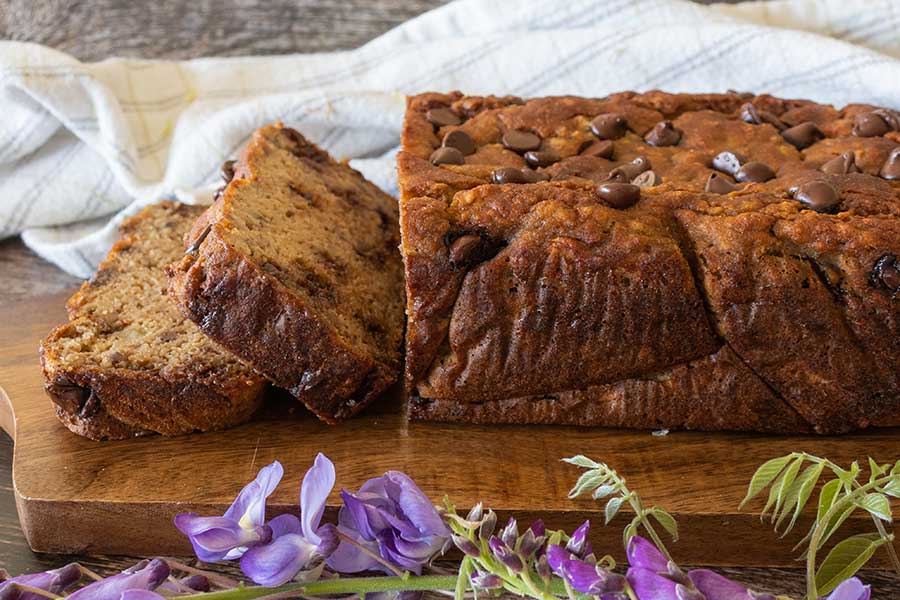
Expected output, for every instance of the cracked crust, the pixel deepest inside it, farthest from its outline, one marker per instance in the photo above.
(127, 363)
(741, 311)
(295, 270)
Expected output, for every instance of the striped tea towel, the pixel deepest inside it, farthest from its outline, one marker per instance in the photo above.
(85, 144)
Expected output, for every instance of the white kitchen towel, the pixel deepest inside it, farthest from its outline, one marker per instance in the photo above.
(85, 144)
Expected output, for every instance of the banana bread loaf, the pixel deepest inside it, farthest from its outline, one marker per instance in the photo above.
(716, 261)
(295, 269)
(128, 363)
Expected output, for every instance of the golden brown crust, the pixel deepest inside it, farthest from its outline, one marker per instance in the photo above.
(120, 403)
(568, 292)
(732, 399)
(100, 389)
(283, 318)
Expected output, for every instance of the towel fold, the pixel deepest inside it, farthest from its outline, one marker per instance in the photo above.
(86, 144)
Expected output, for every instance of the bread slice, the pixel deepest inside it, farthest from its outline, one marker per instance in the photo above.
(295, 269)
(128, 363)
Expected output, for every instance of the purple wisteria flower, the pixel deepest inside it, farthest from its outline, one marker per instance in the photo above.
(851, 589)
(300, 544)
(55, 582)
(575, 564)
(578, 543)
(505, 554)
(241, 527)
(392, 518)
(144, 577)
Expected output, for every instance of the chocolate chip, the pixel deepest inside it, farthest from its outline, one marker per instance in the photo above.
(600, 149)
(507, 175)
(619, 195)
(532, 176)
(536, 158)
(646, 179)
(66, 394)
(629, 171)
(754, 172)
(618, 176)
(663, 134)
(819, 196)
(717, 183)
(751, 114)
(195, 246)
(728, 162)
(466, 249)
(891, 168)
(803, 135)
(520, 140)
(609, 126)
(891, 117)
(886, 273)
(227, 170)
(442, 117)
(841, 164)
(447, 156)
(460, 140)
(869, 124)
(167, 335)
(514, 175)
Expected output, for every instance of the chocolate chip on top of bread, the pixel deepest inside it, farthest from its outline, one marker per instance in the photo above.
(703, 261)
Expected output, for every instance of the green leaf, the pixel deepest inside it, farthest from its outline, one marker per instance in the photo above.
(588, 481)
(764, 476)
(790, 474)
(896, 469)
(612, 507)
(827, 496)
(582, 461)
(844, 560)
(892, 488)
(667, 521)
(603, 491)
(776, 492)
(798, 495)
(877, 505)
(835, 524)
(876, 470)
(631, 530)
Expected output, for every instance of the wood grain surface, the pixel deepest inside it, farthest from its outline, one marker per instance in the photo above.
(96, 29)
(121, 496)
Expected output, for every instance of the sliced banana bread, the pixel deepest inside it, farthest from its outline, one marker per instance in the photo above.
(295, 269)
(128, 363)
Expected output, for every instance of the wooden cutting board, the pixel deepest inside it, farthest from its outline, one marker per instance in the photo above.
(76, 495)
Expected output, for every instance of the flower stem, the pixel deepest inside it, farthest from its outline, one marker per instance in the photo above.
(87, 572)
(215, 578)
(630, 591)
(350, 585)
(34, 590)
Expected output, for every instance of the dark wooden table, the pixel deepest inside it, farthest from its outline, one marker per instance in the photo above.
(180, 29)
